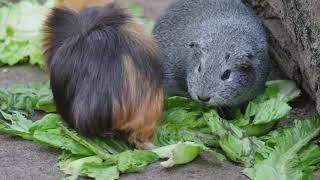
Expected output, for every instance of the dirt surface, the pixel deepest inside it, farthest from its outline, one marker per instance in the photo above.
(25, 160)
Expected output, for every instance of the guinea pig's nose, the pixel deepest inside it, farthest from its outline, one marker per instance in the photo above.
(204, 98)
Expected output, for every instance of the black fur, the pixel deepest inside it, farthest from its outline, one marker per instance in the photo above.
(87, 75)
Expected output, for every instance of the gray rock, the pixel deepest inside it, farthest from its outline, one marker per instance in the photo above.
(294, 28)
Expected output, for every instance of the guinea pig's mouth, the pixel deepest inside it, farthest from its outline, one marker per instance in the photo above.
(216, 101)
(207, 101)
(213, 100)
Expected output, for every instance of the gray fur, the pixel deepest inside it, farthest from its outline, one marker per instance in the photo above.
(217, 35)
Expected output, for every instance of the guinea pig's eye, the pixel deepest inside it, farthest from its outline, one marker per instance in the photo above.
(226, 75)
(199, 68)
(193, 45)
(250, 56)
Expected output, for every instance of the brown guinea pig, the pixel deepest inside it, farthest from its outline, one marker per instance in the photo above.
(104, 70)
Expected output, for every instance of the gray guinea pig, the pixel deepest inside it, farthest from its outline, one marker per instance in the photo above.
(215, 51)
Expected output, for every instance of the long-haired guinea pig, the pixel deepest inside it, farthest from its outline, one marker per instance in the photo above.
(104, 70)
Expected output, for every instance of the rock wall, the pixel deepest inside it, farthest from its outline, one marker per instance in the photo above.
(294, 29)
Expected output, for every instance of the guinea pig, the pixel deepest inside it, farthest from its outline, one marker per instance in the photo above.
(215, 51)
(104, 70)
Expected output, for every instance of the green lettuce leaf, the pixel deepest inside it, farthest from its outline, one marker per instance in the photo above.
(232, 140)
(91, 166)
(27, 98)
(307, 161)
(20, 42)
(183, 153)
(263, 112)
(15, 124)
(100, 171)
(138, 12)
(45, 131)
(287, 155)
(48, 131)
(98, 168)
(135, 161)
(182, 121)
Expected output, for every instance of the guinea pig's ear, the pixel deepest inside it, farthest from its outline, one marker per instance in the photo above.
(246, 65)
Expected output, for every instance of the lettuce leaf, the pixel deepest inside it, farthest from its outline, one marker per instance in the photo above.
(20, 42)
(27, 98)
(263, 112)
(15, 124)
(288, 154)
(232, 140)
(136, 160)
(182, 121)
(183, 153)
(90, 166)
(100, 171)
(138, 12)
(48, 131)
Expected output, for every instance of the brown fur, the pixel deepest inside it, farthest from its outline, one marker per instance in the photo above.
(138, 115)
(144, 37)
(78, 5)
(141, 117)
(75, 5)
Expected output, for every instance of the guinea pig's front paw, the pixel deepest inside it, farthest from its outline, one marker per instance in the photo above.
(142, 145)
(146, 146)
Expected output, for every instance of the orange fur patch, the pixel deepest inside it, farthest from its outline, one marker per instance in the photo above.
(78, 5)
(139, 114)
(75, 5)
(143, 123)
(144, 37)
(140, 121)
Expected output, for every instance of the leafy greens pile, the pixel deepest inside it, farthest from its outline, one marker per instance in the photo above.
(186, 129)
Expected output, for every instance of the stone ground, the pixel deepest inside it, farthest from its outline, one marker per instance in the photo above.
(25, 160)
